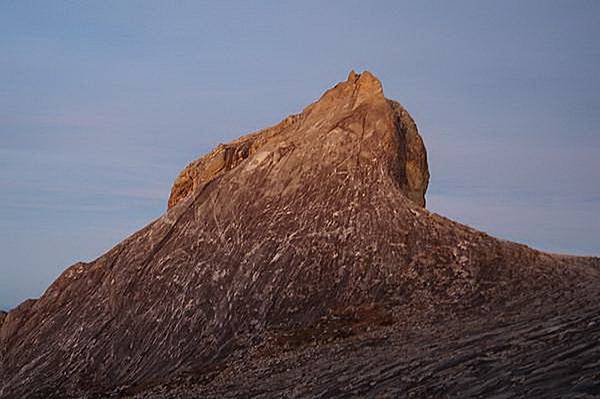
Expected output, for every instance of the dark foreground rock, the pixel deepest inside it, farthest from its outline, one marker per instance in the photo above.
(530, 348)
(300, 261)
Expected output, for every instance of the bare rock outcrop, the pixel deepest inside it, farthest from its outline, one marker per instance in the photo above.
(413, 172)
(287, 241)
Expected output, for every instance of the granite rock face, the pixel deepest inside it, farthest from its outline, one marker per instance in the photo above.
(303, 235)
(412, 171)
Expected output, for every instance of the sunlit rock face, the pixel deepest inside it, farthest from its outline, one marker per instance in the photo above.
(305, 233)
(349, 101)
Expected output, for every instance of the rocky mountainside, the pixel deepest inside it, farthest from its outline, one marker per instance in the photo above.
(303, 253)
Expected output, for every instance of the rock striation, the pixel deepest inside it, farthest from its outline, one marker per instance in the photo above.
(308, 234)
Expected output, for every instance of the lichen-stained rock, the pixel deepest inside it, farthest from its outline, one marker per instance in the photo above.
(313, 229)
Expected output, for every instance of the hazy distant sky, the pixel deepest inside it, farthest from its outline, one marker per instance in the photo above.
(103, 102)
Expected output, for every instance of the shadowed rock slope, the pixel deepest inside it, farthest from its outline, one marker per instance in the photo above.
(301, 238)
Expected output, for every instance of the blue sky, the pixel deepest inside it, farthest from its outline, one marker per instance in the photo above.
(102, 103)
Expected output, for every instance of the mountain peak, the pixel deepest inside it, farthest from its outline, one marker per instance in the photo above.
(303, 234)
(366, 81)
(353, 77)
(356, 110)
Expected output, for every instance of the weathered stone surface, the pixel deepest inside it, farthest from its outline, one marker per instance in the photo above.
(412, 169)
(529, 348)
(306, 235)
(222, 159)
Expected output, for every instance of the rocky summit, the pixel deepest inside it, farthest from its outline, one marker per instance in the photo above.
(354, 109)
(300, 261)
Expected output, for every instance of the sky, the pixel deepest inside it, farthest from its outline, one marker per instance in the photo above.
(103, 103)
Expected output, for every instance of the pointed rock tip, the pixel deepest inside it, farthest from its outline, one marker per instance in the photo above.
(364, 75)
(368, 76)
(367, 82)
